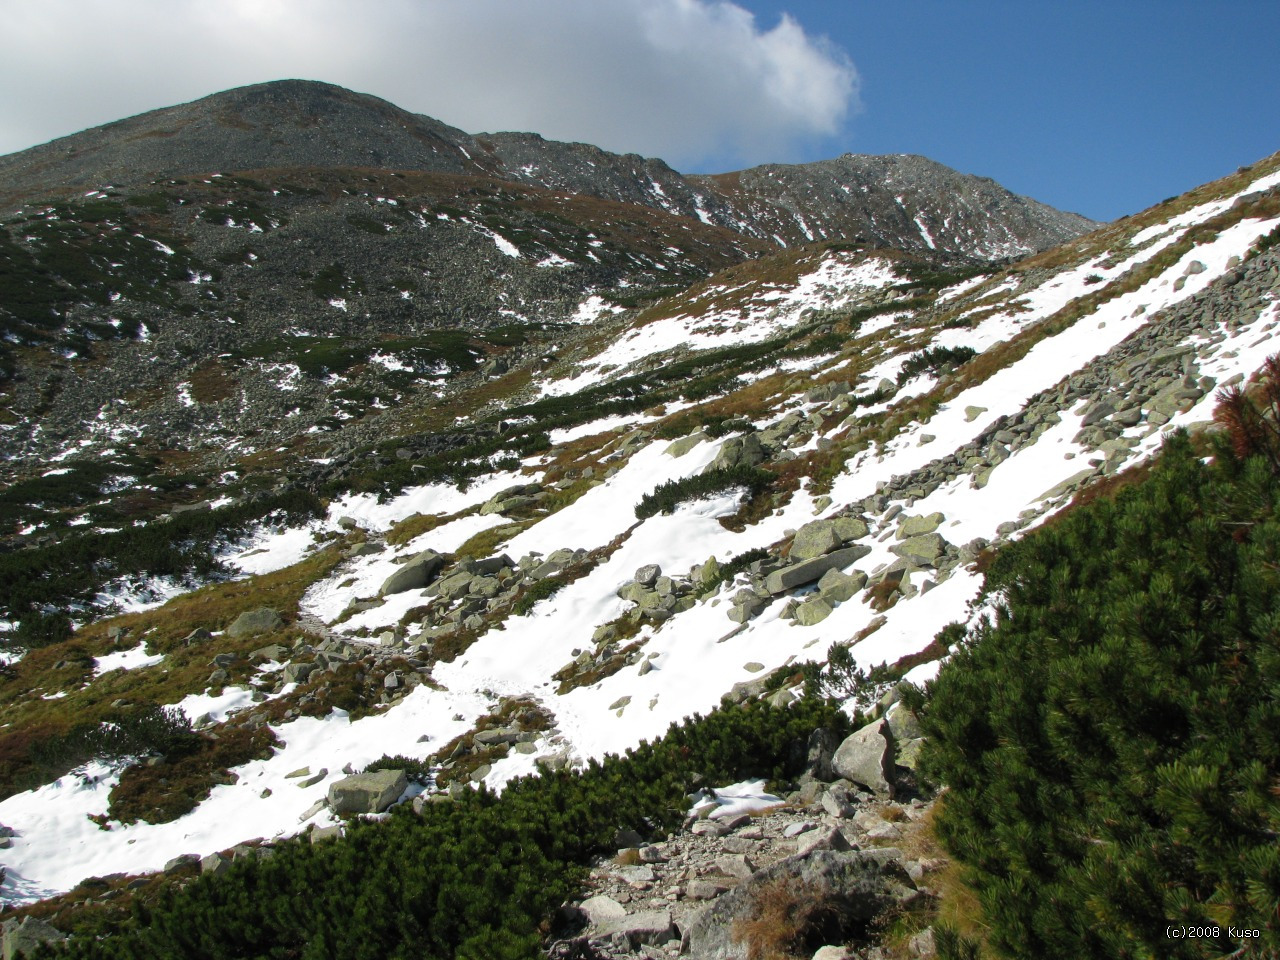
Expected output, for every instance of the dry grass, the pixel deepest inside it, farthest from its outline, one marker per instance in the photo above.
(420, 523)
(783, 912)
(484, 543)
(67, 666)
(211, 382)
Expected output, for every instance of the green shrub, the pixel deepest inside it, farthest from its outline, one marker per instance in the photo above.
(702, 486)
(40, 630)
(75, 570)
(152, 729)
(538, 590)
(935, 359)
(1111, 740)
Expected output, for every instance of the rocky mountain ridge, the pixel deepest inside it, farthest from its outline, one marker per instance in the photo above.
(901, 202)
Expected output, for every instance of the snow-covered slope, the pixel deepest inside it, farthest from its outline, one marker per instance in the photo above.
(909, 422)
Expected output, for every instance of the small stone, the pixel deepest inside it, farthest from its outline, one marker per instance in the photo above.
(705, 889)
(708, 828)
(326, 833)
(795, 829)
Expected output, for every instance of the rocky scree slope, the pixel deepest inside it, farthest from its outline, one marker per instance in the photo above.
(292, 305)
(899, 201)
(693, 498)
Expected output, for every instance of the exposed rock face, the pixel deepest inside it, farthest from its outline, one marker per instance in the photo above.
(367, 792)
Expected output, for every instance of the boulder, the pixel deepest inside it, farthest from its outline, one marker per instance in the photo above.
(837, 587)
(925, 548)
(746, 607)
(815, 539)
(915, 526)
(22, 938)
(797, 575)
(678, 448)
(824, 838)
(455, 585)
(601, 909)
(648, 574)
(262, 620)
(1069, 485)
(181, 862)
(705, 889)
(903, 723)
(297, 672)
(653, 927)
(367, 792)
(850, 890)
(867, 757)
(851, 528)
(813, 611)
(214, 863)
(738, 451)
(414, 575)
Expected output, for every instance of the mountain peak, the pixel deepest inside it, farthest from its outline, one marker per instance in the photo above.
(311, 124)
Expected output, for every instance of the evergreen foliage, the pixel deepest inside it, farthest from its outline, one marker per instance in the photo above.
(75, 570)
(476, 878)
(538, 590)
(150, 729)
(701, 486)
(935, 359)
(1112, 739)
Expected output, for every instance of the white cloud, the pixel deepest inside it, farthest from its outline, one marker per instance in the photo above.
(691, 81)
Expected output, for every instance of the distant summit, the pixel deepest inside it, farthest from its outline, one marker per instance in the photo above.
(905, 202)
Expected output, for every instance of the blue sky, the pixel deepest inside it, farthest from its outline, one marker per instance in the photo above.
(1100, 108)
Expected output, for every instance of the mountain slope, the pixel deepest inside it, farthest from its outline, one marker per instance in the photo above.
(690, 498)
(902, 202)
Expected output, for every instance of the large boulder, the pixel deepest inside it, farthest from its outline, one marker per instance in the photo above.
(678, 448)
(367, 792)
(924, 549)
(22, 938)
(262, 620)
(909, 527)
(867, 757)
(815, 540)
(842, 890)
(746, 451)
(851, 528)
(813, 611)
(838, 587)
(414, 575)
(807, 571)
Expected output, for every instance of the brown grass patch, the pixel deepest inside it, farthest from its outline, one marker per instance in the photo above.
(212, 382)
(789, 920)
(420, 523)
(164, 792)
(185, 669)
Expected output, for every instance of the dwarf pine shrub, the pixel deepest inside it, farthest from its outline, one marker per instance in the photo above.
(1111, 739)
